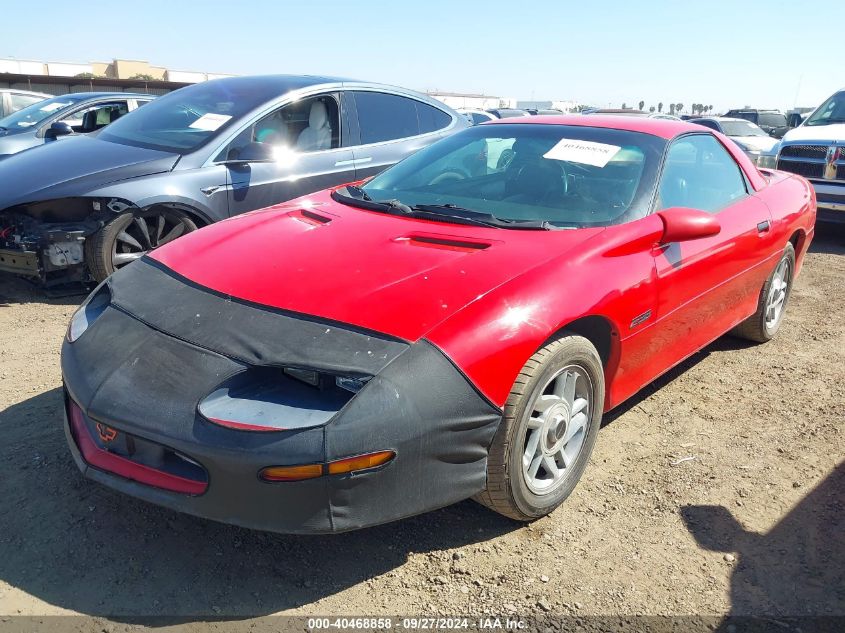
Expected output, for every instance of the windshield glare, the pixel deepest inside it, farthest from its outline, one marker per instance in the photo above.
(741, 128)
(34, 114)
(831, 111)
(185, 119)
(568, 176)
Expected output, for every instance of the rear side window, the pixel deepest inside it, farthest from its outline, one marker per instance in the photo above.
(701, 174)
(384, 117)
(431, 119)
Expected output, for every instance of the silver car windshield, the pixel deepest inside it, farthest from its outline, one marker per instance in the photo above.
(35, 114)
(185, 119)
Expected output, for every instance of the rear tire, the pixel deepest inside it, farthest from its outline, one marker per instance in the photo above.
(762, 326)
(566, 430)
(129, 236)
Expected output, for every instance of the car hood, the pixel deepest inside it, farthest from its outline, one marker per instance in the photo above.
(73, 167)
(395, 275)
(760, 143)
(820, 133)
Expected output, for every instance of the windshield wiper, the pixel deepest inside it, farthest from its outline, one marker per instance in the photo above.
(477, 217)
(459, 215)
(360, 192)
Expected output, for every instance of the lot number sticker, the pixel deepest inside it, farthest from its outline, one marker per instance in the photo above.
(210, 121)
(584, 152)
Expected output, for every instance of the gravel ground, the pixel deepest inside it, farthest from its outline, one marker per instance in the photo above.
(720, 489)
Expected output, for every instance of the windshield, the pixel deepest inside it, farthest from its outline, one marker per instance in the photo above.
(831, 111)
(741, 128)
(565, 176)
(185, 119)
(36, 113)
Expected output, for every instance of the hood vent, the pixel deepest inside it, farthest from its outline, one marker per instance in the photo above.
(310, 217)
(445, 242)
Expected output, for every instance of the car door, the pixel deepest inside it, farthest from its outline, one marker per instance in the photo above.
(391, 127)
(311, 150)
(706, 286)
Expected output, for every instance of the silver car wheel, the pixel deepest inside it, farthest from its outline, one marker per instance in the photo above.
(556, 429)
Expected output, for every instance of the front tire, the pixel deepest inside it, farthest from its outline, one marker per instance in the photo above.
(765, 322)
(129, 236)
(550, 424)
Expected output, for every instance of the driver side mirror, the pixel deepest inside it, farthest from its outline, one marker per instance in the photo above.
(681, 224)
(252, 153)
(57, 129)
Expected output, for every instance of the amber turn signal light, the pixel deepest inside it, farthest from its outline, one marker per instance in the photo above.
(337, 467)
(362, 462)
(291, 473)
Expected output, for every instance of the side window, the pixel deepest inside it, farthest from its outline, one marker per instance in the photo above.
(385, 117)
(431, 119)
(711, 124)
(19, 101)
(701, 174)
(96, 117)
(308, 125)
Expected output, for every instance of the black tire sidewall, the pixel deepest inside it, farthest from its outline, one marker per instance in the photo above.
(99, 247)
(573, 351)
(789, 256)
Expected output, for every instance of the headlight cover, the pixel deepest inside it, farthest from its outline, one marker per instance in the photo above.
(89, 311)
(278, 399)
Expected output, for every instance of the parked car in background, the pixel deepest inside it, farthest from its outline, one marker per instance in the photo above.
(76, 113)
(773, 122)
(444, 331)
(752, 139)
(12, 100)
(816, 150)
(88, 205)
(631, 112)
(507, 113)
(476, 116)
(540, 111)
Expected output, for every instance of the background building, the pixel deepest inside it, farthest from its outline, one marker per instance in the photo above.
(118, 75)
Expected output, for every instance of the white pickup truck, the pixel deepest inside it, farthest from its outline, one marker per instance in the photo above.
(816, 150)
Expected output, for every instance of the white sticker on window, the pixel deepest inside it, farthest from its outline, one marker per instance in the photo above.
(210, 121)
(585, 152)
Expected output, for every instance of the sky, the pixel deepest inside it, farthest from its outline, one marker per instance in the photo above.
(767, 54)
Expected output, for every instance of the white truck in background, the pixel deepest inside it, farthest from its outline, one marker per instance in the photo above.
(816, 150)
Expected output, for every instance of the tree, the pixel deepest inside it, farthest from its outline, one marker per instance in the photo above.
(651, 109)
(710, 108)
(143, 76)
(671, 108)
(642, 105)
(660, 107)
(679, 107)
(624, 106)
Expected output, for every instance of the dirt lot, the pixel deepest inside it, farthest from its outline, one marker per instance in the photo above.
(720, 490)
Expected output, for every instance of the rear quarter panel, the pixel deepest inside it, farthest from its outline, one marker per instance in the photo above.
(792, 202)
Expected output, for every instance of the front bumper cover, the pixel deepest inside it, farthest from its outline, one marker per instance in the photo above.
(165, 344)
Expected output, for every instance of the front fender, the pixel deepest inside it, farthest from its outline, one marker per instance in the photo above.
(492, 338)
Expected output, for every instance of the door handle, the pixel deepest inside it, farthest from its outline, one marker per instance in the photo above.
(763, 226)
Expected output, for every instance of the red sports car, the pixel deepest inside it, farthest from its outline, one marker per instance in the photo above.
(455, 327)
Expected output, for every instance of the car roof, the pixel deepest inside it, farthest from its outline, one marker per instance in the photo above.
(663, 128)
(82, 96)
